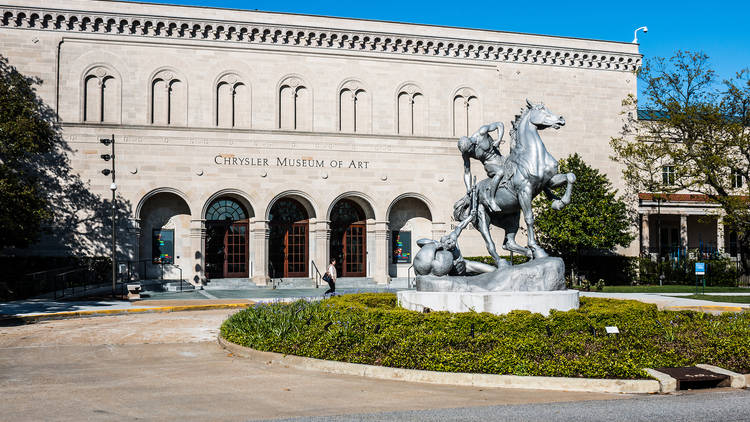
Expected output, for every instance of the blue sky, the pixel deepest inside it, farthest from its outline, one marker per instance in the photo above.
(721, 29)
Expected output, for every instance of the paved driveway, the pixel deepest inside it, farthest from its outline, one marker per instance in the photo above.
(167, 366)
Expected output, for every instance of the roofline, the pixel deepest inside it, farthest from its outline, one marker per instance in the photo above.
(152, 3)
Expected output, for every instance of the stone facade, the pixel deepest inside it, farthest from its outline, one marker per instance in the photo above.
(257, 108)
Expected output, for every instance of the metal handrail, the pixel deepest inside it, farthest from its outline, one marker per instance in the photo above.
(317, 276)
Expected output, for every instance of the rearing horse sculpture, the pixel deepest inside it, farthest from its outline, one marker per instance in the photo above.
(529, 170)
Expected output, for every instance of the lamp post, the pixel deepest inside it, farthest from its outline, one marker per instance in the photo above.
(658, 229)
(635, 34)
(113, 188)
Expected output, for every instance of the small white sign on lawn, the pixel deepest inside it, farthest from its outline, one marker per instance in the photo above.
(612, 330)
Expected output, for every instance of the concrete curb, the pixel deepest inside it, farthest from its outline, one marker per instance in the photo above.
(667, 384)
(591, 385)
(29, 319)
(737, 380)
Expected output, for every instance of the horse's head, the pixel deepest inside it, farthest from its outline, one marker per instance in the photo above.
(542, 118)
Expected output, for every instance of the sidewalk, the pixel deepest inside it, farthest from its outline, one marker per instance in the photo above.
(219, 299)
(675, 301)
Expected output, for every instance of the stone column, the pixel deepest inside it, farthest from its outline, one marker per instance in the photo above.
(720, 235)
(196, 274)
(321, 237)
(259, 236)
(683, 231)
(382, 252)
(645, 234)
(137, 234)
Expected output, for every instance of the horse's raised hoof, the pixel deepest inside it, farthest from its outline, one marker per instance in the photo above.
(557, 205)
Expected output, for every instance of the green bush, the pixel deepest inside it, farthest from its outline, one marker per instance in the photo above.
(719, 271)
(371, 329)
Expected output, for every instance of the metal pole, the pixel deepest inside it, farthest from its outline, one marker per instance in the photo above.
(658, 221)
(113, 187)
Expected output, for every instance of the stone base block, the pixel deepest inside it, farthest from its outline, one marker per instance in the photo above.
(493, 302)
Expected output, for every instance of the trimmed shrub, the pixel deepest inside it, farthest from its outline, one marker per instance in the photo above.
(371, 329)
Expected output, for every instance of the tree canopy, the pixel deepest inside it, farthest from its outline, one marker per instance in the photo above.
(595, 219)
(27, 130)
(39, 191)
(696, 126)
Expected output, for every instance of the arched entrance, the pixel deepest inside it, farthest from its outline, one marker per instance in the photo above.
(226, 239)
(349, 239)
(409, 219)
(288, 247)
(165, 236)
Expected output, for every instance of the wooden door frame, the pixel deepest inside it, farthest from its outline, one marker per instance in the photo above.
(363, 273)
(225, 269)
(306, 272)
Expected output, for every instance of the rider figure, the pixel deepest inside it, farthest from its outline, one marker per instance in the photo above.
(482, 147)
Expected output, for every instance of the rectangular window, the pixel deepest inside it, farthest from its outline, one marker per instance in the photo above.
(733, 244)
(667, 175)
(736, 179)
(162, 246)
(401, 246)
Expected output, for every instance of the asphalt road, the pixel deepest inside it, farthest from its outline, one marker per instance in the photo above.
(168, 366)
(717, 405)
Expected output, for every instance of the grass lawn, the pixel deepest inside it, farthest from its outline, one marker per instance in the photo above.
(671, 289)
(730, 299)
(370, 328)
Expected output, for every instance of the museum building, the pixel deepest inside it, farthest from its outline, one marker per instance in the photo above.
(256, 145)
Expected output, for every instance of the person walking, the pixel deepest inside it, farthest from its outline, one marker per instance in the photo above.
(330, 277)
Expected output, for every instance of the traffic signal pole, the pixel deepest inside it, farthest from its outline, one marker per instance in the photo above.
(113, 188)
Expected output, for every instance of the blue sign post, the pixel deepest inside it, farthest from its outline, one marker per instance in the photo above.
(700, 271)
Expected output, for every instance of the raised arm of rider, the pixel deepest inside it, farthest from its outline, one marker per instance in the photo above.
(500, 132)
(467, 172)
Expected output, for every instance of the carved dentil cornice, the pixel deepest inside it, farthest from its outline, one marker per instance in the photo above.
(310, 37)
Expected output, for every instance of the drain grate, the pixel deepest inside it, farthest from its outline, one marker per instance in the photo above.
(692, 378)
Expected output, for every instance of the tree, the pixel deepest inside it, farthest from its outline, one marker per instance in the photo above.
(697, 126)
(39, 191)
(595, 219)
(27, 130)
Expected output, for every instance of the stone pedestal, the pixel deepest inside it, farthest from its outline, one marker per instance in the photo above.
(493, 302)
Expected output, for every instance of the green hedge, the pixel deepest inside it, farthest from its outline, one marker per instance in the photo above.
(719, 272)
(372, 329)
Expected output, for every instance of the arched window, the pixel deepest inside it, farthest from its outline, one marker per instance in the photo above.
(168, 99)
(225, 209)
(295, 105)
(354, 108)
(411, 112)
(232, 102)
(101, 96)
(466, 118)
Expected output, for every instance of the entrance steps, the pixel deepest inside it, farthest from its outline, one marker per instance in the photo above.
(294, 283)
(229, 284)
(309, 283)
(164, 285)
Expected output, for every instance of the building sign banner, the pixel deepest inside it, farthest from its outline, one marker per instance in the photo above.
(401, 246)
(162, 246)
